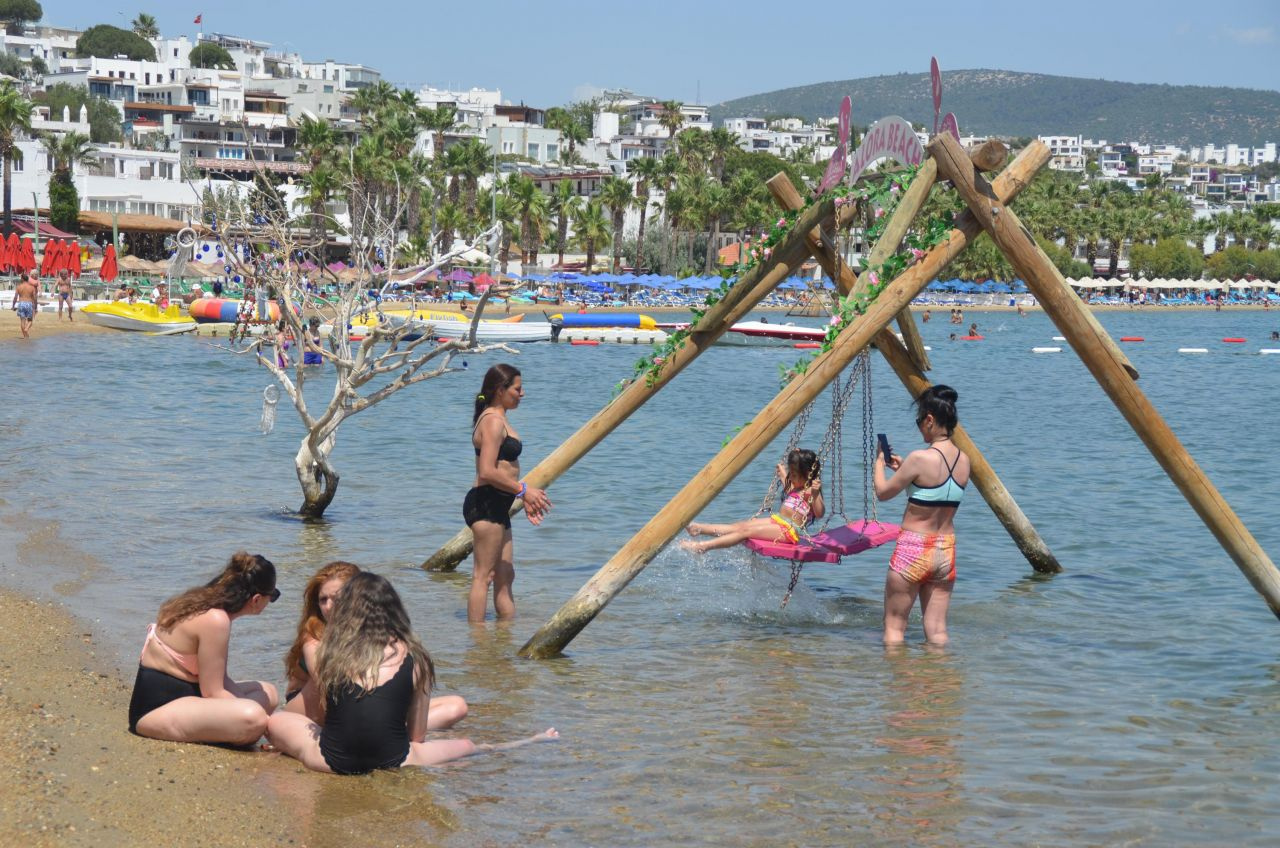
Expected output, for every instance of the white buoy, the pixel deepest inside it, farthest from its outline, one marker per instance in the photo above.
(1267, 350)
(1059, 338)
(1046, 350)
(1193, 350)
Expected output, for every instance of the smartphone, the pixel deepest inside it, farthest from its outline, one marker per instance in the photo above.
(884, 446)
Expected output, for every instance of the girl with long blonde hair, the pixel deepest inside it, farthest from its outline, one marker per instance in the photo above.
(303, 696)
(374, 677)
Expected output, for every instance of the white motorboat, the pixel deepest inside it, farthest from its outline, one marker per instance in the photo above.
(763, 333)
(488, 332)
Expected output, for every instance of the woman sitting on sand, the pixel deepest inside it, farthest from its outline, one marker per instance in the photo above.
(802, 504)
(317, 605)
(182, 692)
(375, 678)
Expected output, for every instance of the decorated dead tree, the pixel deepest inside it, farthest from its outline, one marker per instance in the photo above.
(295, 309)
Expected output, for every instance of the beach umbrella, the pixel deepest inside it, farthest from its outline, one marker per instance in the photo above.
(26, 256)
(459, 275)
(75, 263)
(109, 270)
(9, 253)
(46, 256)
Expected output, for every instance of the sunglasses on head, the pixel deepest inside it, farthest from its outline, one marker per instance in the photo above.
(273, 595)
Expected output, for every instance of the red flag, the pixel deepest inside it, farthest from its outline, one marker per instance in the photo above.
(198, 18)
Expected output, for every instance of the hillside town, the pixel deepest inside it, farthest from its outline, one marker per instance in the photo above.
(149, 129)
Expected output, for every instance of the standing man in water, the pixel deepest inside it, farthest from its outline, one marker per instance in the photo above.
(64, 294)
(24, 303)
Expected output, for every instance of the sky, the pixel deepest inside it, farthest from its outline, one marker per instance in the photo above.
(552, 52)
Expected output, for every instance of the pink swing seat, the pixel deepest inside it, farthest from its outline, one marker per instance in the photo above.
(829, 545)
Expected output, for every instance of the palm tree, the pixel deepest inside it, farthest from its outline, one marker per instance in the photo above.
(318, 142)
(592, 229)
(565, 204)
(145, 26)
(720, 142)
(617, 196)
(646, 170)
(528, 201)
(672, 117)
(15, 119)
(693, 149)
(438, 121)
(717, 203)
(476, 160)
(68, 150)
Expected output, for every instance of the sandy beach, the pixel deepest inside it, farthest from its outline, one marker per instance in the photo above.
(71, 773)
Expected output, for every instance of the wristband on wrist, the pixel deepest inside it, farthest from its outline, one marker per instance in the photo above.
(524, 487)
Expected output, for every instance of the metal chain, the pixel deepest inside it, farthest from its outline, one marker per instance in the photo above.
(868, 439)
(796, 565)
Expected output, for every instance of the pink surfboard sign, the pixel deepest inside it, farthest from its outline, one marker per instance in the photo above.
(890, 138)
(936, 76)
(837, 164)
(951, 125)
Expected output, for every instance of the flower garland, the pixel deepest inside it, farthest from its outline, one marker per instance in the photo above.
(883, 197)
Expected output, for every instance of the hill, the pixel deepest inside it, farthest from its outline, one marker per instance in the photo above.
(1012, 103)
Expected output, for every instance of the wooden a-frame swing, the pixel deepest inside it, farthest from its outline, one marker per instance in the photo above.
(987, 210)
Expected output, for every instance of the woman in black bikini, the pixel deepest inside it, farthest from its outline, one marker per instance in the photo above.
(487, 507)
(375, 678)
(183, 692)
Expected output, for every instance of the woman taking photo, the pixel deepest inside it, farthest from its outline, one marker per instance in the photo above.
(487, 507)
(182, 692)
(303, 697)
(924, 561)
(375, 678)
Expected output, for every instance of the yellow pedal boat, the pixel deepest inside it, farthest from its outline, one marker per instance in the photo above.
(139, 317)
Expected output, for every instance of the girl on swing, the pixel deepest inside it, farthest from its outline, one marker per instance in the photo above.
(803, 503)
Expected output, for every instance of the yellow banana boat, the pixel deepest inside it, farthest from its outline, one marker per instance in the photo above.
(139, 317)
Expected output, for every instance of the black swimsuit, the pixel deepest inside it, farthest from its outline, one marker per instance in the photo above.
(486, 503)
(366, 730)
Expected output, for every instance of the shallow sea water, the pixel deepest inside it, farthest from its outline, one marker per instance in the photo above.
(1132, 699)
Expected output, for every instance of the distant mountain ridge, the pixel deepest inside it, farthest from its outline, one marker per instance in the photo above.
(1013, 103)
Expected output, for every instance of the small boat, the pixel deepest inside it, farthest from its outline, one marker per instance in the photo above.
(762, 333)
(487, 332)
(140, 317)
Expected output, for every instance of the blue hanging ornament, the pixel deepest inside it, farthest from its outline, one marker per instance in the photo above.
(204, 248)
(226, 269)
(236, 278)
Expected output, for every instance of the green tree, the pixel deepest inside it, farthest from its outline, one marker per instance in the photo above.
(1170, 257)
(15, 120)
(646, 170)
(565, 205)
(1237, 262)
(672, 117)
(14, 13)
(592, 230)
(617, 196)
(104, 117)
(67, 151)
(145, 26)
(210, 55)
(106, 41)
(530, 204)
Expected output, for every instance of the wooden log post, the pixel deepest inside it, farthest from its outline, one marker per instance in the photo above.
(750, 289)
(992, 489)
(1063, 306)
(631, 559)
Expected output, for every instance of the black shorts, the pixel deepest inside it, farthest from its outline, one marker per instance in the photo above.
(485, 503)
(153, 689)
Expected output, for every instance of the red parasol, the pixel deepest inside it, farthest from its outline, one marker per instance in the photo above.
(46, 256)
(75, 263)
(25, 255)
(109, 268)
(8, 253)
(55, 261)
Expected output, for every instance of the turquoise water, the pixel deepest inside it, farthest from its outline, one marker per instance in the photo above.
(1131, 699)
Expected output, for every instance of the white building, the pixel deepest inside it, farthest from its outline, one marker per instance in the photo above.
(1066, 151)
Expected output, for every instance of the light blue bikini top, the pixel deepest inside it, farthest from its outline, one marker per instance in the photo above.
(946, 493)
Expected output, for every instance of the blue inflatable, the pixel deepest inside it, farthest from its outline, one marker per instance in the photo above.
(577, 320)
